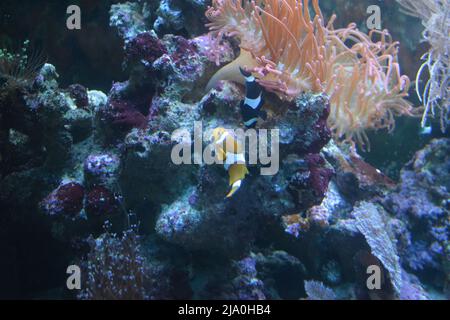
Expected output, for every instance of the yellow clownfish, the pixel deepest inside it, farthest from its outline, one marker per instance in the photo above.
(230, 151)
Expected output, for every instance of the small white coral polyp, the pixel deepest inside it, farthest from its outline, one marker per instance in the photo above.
(290, 52)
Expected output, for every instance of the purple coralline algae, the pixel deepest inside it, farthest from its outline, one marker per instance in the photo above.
(101, 202)
(101, 169)
(319, 175)
(144, 48)
(178, 225)
(420, 202)
(79, 95)
(304, 129)
(126, 115)
(67, 199)
(310, 183)
(246, 285)
(214, 50)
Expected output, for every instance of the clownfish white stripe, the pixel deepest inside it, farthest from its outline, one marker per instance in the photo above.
(250, 122)
(237, 184)
(233, 158)
(253, 103)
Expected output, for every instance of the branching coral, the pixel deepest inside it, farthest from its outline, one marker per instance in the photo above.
(435, 16)
(290, 52)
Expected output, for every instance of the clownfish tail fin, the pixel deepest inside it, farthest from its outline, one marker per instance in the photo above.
(234, 188)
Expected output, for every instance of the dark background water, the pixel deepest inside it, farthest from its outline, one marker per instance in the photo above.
(91, 56)
(32, 262)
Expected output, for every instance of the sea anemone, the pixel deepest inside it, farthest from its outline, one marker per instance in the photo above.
(435, 16)
(21, 66)
(291, 52)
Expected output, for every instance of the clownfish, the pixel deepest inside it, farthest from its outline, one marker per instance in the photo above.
(252, 104)
(231, 153)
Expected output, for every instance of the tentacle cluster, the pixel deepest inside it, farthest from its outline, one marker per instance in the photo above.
(435, 15)
(295, 51)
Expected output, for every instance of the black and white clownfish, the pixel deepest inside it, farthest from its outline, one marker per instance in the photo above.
(231, 152)
(251, 106)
